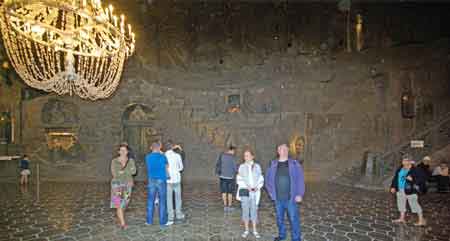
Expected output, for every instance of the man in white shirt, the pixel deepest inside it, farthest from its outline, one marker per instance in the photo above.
(174, 183)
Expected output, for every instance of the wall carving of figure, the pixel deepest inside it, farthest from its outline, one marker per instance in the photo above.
(138, 113)
(58, 112)
(62, 148)
(149, 135)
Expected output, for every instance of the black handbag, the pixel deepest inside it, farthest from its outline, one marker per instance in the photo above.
(243, 193)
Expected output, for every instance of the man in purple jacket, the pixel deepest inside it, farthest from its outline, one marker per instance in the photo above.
(286, 187)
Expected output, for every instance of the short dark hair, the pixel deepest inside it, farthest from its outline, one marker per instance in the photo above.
(231, 148)
(156, 144)
(169, 144)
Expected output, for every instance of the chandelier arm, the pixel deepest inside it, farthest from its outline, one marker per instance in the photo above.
(41, 56)
(63, 33)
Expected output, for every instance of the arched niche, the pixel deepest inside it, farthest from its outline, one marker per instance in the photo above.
(139, 131)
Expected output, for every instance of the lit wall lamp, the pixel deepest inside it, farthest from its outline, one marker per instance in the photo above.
(408, 105)
(359, 32)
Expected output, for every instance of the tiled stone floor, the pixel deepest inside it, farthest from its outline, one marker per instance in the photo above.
(80, 211)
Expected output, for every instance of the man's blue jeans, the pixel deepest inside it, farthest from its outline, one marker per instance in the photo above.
(294, 218)
(157, 187)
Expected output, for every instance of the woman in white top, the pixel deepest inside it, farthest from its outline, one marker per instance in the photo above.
(250, 181)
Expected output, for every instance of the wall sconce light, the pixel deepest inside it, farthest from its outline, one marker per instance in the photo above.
(408, 105)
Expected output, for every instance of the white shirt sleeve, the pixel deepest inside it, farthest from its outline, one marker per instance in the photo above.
(240, 179)
(180, 163)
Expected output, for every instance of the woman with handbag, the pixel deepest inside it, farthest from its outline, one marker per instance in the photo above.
(405, 186)
(122, 169)
(250, 181)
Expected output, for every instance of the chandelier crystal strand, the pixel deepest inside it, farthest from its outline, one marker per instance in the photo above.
(67, 46)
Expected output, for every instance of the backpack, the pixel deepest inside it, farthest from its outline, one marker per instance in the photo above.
(218, 170)
(412, 188)
(420, 181)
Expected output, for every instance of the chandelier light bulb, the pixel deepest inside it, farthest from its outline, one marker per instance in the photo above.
(111, 8)
(115, 20)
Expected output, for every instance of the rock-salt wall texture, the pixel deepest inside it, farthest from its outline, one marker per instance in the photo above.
(207, 81)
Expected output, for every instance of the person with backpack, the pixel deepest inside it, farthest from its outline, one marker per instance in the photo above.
(226, 169)
(406, 185)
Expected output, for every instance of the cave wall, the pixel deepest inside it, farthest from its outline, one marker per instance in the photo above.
(202, 79)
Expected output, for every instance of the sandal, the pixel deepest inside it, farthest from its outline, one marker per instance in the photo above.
(256, 234)
(245, 234)
(420, 224)
(398, 221)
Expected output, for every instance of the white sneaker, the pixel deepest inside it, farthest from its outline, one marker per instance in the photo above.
(169, 223)
(245, 234)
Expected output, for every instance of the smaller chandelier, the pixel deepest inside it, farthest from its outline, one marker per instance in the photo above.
(69, 47)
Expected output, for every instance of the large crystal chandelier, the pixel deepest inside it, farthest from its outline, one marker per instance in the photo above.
(69, 47)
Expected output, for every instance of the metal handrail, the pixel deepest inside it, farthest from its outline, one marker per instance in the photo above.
(433, 127)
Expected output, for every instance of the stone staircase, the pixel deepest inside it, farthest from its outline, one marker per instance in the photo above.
(436, 137)
(349, 150)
